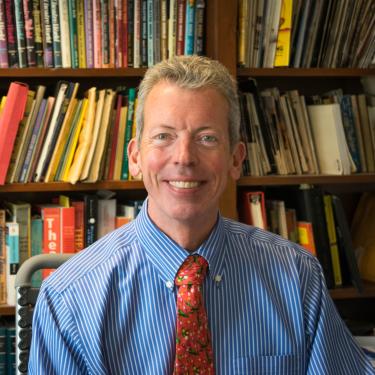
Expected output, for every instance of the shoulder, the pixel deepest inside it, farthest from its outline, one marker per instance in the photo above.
(264, 248)
(96, 261)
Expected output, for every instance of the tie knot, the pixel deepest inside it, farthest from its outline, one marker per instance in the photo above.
(192, 271)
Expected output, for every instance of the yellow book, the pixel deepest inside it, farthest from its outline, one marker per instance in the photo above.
(95, 134)
(331, 229)
(243, 32)
(85, 138)
(134, 134)
(120, 144)
(2, 103)
(63, 137)
(64, 201)
(283, 37)
(81, 34)
(74, 140)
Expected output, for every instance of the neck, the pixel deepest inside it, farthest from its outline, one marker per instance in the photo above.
(187, 235)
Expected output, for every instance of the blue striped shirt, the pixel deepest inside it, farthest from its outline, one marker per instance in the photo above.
(112, 308)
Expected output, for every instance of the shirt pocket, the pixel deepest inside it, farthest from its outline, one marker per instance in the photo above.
(273, 364)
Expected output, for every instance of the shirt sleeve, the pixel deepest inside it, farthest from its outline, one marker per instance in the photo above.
(331, 347)
(55, 347)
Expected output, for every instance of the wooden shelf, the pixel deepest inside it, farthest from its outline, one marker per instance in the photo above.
(361, 178)
(62, 186)
(7, 310)
(305, 72)
(70, 73)
(351, 292)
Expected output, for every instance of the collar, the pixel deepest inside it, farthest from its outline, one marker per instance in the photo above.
(167, 255)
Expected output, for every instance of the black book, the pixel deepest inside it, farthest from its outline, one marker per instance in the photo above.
(310, 207)
(90, 218)
(345, 243)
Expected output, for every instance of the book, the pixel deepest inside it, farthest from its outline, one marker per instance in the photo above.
(36, 246)
(345, 242)
(106, 216)
(79, 229)
(3, 38)
(189, 27)
(29, 27)
(91, 218)
(20, 34)
(329, 138)
(81, 34)
(45, 10)
(58, 230)
(56, 33)
(150, 32)
(11, 34)
(3, 258)
(308, 201)
(89, 32)
(10, 119)
(52, 132)
(13, 259)
(199, 33)
(180, 34)
(282, 53)
(128, 133)
(306, 236)
(331, 229)
(72, 13)
(38, 38)
(64, 33)
(253, 209)
(172, 28)
(85, 138)
(120, 144)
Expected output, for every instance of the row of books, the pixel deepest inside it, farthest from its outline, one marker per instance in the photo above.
(65, 136)
(63, 226)
(306, 33)
(288, 133)
(98, 33)
(316, 220)
(7, 349)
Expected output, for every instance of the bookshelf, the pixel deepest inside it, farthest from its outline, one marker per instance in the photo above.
(221, 44)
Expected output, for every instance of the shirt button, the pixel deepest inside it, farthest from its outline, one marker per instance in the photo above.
(169, 284)
(218, 278)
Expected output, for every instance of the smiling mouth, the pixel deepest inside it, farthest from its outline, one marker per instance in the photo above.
(185, 184)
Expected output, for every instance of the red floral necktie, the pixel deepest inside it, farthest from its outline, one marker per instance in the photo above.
(193, 342)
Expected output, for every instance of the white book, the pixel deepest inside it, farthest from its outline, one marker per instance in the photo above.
(48, 142)
(65, 34)
(172, 28)
(329, 138)
(106, 216)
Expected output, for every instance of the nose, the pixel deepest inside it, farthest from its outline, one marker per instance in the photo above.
(185, 153)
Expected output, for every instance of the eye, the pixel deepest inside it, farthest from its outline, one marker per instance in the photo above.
(208, 139)
(162, 136)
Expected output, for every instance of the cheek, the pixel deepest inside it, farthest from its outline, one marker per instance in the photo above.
(152, 162)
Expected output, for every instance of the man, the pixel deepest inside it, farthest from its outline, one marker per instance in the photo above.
(112, 308)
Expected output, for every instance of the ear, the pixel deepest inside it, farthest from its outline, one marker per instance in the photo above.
(238, 156)
(133, 156)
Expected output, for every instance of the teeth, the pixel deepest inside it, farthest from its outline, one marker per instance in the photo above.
(184, 184)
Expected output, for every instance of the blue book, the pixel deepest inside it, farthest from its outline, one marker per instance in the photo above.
(36, 247)
(189, 27)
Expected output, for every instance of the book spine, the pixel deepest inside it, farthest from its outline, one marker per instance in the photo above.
(91, 219)
(189, 27)
(51, 233)
(163, 30)
(38, 38)
(111, 33)
(89, 33)
(67, 229)
(130, 33)
(29, 32)
(199, 27)
(3, 334)
(156, 34)
(10, 119)
(47, 33)
(3, 38)
(56, 34)
(118, 33)
(66, 59)
(13, 259)
(137, 34)
(79, 230)
(73, 33)
(81, 37)
(20, 32)
(36, 247)
(180, 36)
(124, 33)
(97, 33)
(129, 123)
(150, 33)
(143, 47)
(3, 285)
(105, 32)
(11, 34)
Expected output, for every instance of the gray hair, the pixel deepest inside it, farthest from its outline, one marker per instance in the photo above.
(192, 72)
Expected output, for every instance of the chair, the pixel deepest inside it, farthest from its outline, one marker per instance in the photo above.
(26, 299)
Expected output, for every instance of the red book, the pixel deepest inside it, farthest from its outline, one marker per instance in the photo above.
(79, 232)
(10, 119)
(180, 37)
(58, 231)
(306, 236)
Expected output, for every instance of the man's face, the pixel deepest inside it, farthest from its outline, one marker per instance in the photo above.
(184, 154)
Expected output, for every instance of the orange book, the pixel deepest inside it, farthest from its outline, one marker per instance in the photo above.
(121, 220)
(10, 119)
(306, 236)
(58, 231)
